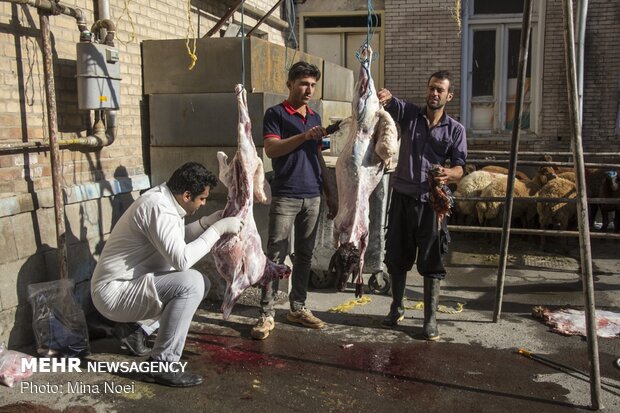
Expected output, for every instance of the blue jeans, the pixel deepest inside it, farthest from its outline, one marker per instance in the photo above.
(283, 213)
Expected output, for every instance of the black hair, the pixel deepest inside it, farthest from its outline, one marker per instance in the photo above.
(303, 69)
(192, 177)
(443, 75)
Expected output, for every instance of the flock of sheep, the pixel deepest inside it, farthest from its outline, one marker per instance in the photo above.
(548, 182)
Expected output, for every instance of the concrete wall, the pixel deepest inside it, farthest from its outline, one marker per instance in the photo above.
(98, 183)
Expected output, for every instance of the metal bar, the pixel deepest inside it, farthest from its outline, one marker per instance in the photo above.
(221, 22)
(54, 7)
(52, 121)
(582, 206)
(529, 153)
(512, 166)
(533, 199)
(262, 19)
(541, 163)
(529, 231)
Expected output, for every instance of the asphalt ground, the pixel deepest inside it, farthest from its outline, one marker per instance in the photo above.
(355, 365)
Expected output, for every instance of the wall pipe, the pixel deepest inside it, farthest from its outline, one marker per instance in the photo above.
(582, 13)
(55, 9)
(52, 121)
(103, 135)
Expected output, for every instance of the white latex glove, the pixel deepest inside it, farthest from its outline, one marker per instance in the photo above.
(229, 225)
(207, 221)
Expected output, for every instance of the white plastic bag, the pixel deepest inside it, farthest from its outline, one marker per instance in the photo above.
(11, 366)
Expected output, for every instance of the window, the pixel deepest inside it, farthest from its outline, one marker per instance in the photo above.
(491, 59)
(337, 37)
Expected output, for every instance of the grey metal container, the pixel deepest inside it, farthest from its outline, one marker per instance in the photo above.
(375, 253)
(98, 76)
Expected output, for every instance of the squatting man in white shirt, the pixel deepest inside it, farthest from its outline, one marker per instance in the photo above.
(144, 274)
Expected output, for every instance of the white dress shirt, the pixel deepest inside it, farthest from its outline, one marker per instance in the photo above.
(150, 237)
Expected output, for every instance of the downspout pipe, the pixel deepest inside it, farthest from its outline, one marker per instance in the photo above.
(582, 13)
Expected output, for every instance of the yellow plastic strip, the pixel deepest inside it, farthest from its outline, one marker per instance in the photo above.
(349, 305)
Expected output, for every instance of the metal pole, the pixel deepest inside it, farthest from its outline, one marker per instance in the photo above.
(262, 19)
(50, 94)
(532, 153)
(225, 17)
(582, 205)
(514, 149)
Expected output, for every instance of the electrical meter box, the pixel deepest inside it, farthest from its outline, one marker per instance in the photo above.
(98, 76)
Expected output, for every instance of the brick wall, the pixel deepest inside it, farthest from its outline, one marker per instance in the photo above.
(98, 183)
(422, 37)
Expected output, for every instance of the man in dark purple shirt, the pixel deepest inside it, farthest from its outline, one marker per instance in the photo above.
(428, 137)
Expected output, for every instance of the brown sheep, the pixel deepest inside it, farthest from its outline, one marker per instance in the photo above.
(571, 176)
(489, 211)
(521, 176)
(558, 214)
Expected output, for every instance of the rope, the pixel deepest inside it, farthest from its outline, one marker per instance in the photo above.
(132, 35)
(242, 45)
(190, 32)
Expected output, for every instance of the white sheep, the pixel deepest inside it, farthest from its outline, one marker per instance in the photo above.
(469, 186)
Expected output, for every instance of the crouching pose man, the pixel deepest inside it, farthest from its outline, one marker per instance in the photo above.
(428, 136)
(144, 273)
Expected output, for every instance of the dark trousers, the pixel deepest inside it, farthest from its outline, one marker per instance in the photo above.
(413, 237)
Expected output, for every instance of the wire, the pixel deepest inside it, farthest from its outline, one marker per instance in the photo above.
(242, 46)
(372, 22)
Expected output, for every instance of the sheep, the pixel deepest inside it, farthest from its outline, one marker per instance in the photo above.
(558, 215)
(610, 188)
(521, 176)
(594, 182)
(471, 185)
(543, 175)
(488, 211)
(571, 176)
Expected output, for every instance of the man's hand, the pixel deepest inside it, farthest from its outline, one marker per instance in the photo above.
(385, 96)
(448, 175)
(315, 133)
(332, 207)
(229, 225)
(207, 221)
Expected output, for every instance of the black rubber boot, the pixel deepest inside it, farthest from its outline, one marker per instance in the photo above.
(431, 301)
(397, 311)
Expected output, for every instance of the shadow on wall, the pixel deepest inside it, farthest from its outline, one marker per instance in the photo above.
(82, 259)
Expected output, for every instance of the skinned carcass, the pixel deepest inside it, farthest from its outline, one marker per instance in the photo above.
(239, 258)
(371, 147)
